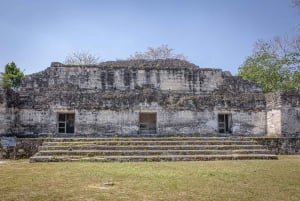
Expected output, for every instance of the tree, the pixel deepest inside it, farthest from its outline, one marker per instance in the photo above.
(274, 64)
(12, 75)
(161, 52)
(296, 3)
(81, 58)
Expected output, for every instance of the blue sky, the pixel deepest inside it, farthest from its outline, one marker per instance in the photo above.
(211, 33)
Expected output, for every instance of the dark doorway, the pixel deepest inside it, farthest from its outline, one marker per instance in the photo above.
(224, 123)
(66, 122)
(148, 123)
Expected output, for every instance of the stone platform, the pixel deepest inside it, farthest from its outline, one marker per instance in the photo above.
(150, 149)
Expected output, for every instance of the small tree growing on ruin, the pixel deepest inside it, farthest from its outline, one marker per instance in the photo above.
(81, 58)
(161, 52)
(11, 77)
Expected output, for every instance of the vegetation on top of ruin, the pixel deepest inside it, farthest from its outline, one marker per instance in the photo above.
(81, 58)
(136, 63)
(162, 52)
(155, 53)
(142, 63)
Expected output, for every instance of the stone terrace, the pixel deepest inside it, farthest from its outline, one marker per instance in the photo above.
(150, 149)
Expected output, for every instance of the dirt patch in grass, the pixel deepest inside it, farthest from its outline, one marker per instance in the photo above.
(100, 187)
(2, 162)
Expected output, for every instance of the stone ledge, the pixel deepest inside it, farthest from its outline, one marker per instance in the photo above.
(280, 145)
(27, 147)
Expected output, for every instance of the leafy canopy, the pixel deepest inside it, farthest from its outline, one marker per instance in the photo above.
(274, 64)
(12, 76)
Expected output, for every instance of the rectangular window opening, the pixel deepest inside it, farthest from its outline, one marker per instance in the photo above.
(147, 123)
(66, 123)
(225, 123)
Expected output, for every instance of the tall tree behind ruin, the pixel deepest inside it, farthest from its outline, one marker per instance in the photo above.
(161, 52)
(81, 58)
(11, 77)
(274, 64)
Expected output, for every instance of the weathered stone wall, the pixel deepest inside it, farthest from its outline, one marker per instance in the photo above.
(3, 117)
(206, 122)
(125, 122)
(290, 121)
(168, 122)
(280, 145)
(176, 113)
(249, 123)
(106, 122)
(174, 75)
(107, 99)
(24, 148)
(283, 113)
(8, 112)
(32, 121)
(290, 113)
(273, 110)
(274, 122)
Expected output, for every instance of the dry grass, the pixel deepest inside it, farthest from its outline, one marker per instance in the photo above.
(212, 180)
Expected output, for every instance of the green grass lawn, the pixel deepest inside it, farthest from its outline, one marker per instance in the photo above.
(200, 180)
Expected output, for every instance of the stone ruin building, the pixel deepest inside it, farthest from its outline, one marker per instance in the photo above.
(139, 97)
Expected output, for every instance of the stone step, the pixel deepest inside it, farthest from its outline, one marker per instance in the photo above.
(149, 139)
(162, 142)
(153, 158)
(149, 152)
(150, 147)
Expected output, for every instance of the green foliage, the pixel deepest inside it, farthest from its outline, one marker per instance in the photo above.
(12, 75)
(275, 65)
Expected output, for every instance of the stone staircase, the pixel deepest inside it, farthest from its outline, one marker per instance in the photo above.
(150, 149)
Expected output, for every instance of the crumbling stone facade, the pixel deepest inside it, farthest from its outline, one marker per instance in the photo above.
(8, 110)
(162, 97)
(283, 113)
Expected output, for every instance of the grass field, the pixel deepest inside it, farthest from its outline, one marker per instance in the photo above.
(204, 180)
